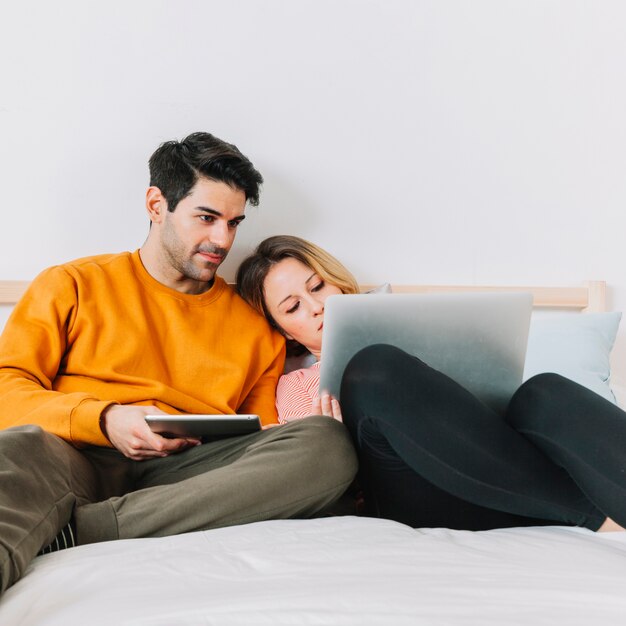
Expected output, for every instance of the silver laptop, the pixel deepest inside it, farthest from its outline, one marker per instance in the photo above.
(478, 339)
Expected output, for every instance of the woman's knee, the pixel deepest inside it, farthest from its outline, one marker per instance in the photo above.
(536, 397)
(371, 356)
(377, 366)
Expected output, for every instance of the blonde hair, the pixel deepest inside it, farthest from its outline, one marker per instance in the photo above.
(253, 270)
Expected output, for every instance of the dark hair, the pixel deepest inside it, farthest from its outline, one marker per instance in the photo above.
(254, 269)
(176, 166)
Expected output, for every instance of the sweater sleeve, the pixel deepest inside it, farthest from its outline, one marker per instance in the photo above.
(32, 348)
(261, 399)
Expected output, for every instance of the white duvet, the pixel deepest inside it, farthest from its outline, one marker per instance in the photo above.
(341, 570)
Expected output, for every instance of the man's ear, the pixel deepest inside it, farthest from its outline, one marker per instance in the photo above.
(156, 205)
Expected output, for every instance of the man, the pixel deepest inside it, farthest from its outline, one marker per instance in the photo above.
(97, 344)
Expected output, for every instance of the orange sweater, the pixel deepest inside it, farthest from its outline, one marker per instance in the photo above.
(101, 330)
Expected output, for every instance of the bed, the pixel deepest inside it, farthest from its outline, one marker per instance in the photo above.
(356, 570)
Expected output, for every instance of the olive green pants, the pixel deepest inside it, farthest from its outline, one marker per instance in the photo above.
(296, 470)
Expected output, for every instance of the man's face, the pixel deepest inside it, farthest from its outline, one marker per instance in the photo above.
(197, 236)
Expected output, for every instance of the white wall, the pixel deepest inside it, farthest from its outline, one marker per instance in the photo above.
(435, 141)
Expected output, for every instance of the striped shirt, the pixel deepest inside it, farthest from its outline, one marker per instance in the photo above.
(295, 393)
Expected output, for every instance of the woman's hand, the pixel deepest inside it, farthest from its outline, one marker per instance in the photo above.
(325, 404)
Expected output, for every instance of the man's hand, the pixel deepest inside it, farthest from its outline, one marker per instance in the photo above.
(126, 428)
(325, 404)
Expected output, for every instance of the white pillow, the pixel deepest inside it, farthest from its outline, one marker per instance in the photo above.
(577, 346)
(384, 288)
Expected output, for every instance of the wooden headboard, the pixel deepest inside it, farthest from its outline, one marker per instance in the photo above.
(591, 296)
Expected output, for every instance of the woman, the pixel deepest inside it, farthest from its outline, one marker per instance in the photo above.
(430, 453)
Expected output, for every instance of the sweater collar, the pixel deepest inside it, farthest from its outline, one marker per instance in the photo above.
(214, 292)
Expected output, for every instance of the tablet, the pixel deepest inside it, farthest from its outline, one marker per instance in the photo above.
(189, 425)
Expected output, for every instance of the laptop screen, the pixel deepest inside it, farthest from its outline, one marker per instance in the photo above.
(478, 339)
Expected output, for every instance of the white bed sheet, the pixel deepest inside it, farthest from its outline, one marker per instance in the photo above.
(339, 571)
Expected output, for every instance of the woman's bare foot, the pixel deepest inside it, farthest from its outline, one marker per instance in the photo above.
(610, 526)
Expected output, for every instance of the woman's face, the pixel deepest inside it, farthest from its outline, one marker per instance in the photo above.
(294, 297)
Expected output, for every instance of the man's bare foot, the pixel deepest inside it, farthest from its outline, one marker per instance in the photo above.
(609, 526)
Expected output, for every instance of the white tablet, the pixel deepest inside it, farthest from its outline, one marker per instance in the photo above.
(189, 425)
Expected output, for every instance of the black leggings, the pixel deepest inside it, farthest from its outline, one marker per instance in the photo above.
(432, 455)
